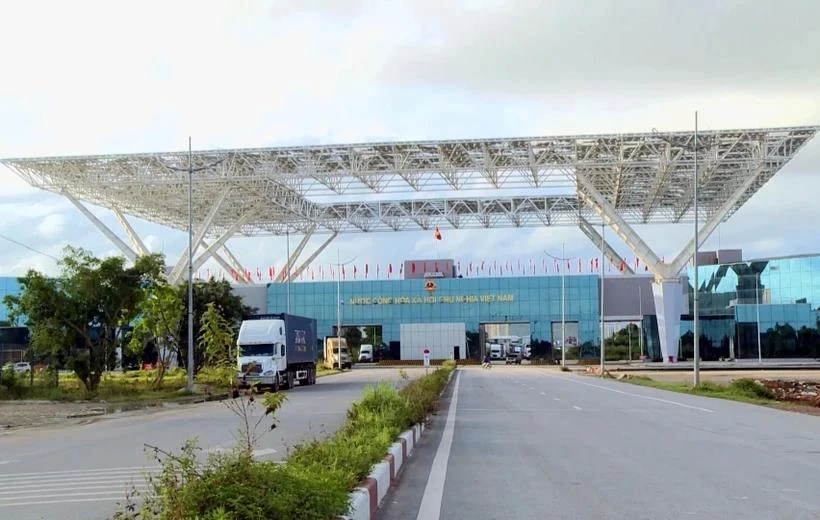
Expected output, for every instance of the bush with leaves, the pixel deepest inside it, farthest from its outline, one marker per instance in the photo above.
(312, 484)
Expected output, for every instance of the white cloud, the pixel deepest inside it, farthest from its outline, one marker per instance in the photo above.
(51, 226)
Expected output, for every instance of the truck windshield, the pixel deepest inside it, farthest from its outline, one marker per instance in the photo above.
(257, 350)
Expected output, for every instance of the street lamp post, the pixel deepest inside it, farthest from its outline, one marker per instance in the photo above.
(640, 312)
(757, 310)
(189, 387)
(339, 265)
(695, 309)
(603, 260)
(562, 259)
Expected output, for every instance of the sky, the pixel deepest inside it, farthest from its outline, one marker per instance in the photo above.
(108, 77)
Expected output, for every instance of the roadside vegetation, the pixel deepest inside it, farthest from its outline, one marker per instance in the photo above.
(744, 389)
(80, 319)
(314, 481)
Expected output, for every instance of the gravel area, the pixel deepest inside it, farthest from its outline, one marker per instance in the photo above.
(28, 414)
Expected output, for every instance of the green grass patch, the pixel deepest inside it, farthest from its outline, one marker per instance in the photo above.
(744, 390)
(314, 480)
(114, 387)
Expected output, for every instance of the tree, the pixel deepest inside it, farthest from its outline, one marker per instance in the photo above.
(77, 315)
(218, 343)
(353, 335)
(160, 314)
(229, 305)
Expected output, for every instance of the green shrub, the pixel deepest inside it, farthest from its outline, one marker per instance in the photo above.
(314, 481)
(751, 388)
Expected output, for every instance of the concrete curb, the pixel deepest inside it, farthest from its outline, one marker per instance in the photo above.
(366, 498)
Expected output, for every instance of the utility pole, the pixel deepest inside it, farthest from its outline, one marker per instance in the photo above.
(603, 260)
(287, 240)
(563, 312)
(695, 313)
(189, 386)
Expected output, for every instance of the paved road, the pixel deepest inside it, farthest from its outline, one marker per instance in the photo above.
(81, 471)
(521, 442)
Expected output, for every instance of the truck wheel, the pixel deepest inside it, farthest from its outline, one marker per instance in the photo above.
(289, 381)
(312, 376)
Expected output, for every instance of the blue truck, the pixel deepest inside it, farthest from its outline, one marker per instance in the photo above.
(276, 351)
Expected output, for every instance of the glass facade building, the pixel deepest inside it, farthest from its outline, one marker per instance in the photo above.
(8, 285)
(535, 301)
(776, 300)
(768, 306)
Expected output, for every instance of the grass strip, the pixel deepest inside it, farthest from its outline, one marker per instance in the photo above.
(744, 390)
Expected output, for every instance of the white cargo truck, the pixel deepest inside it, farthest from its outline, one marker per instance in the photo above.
(445, 340)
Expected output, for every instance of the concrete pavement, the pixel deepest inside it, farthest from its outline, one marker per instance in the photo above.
(82, 471)
(530, 442)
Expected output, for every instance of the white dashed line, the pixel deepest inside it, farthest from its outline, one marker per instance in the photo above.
(577, 408)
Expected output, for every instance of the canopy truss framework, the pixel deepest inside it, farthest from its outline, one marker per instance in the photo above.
(620, 179)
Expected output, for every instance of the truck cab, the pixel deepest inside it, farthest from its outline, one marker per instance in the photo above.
(366, 353)
(336, 357)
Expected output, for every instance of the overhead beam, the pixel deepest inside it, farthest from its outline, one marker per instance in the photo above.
(313, 256)
(592, 233)
(176, 272)
(136, 241)
(117, 241)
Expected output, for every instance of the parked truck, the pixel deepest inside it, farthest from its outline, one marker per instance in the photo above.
(333, 353)
(276, 350)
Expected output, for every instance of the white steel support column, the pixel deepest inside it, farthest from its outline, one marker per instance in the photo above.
(599, 241)
(122, 246)
(595, 200)
(709, 227)
(223, 262)
(313, 256)
(668, 308)
(136, 241)
(237, 265)
(176, 272)
(219, 242)
(296, 252)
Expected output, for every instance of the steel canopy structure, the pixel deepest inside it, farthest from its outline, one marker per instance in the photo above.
(618, 180)
(622, 179)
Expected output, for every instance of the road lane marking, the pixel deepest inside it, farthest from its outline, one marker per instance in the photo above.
(111, 498)
(69, 472)
(5, 462)
(556, 398)
(543, 393)
(577, 407)
(430, 508)
(641, 396)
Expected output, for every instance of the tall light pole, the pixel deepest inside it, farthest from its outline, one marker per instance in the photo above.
(287, 280)
(695, 309)
(189, 387)
(640, 312)
(190, 380)
(563, 312)
(339, 265)
(757, 309)
(562, 259)
(603, 260)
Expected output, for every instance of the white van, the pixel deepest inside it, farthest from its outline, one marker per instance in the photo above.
(496, 351)
(366, 354)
